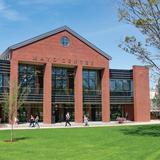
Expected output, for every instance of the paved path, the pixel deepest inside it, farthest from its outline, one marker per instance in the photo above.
(77, 125)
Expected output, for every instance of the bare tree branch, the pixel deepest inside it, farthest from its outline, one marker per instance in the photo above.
(145, 16)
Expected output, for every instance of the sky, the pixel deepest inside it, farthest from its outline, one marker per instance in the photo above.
(95, 20)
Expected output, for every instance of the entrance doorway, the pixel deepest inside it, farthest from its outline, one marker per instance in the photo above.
(60, 110)
(27, 110)
(93, 112)
(116, 111)
(122, 110)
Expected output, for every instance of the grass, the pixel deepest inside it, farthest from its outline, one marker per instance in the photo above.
(102, 143)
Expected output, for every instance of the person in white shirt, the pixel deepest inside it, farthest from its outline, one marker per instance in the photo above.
(67, 119)
(85, 120)
(16, 121)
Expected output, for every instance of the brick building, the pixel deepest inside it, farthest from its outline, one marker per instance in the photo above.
(66, 73)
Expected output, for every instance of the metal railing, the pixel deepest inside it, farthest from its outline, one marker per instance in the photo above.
(33, 95)
(92, 96)
(33, 91)
(4, 89)
(3, 92)
(121, 93)
(122, 97)
(71, 92)
(63, 95)
(62, 92)
(92, 92)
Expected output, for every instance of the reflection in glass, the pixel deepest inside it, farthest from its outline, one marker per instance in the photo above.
(120, 87)
(31, 76)
(112, 85)
(91, 81)
(126, 85)
(63, 80)
(0, 80)
(4, 80)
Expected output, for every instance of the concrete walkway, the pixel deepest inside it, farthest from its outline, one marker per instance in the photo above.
(77, 125)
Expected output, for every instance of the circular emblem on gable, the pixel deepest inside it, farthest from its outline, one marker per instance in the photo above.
(65, 41)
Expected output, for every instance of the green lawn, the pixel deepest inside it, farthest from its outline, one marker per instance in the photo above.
(102, 143)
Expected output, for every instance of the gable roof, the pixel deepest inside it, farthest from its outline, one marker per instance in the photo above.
(45, 35)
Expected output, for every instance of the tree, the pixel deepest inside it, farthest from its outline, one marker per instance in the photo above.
(13, 101)
(145, 16)
(156, 99)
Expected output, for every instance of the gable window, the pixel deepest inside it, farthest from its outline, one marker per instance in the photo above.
(65, 41)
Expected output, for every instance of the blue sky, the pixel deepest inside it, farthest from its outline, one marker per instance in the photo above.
(95, 20)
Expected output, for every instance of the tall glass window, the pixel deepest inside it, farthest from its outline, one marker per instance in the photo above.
(0, 80)
(4, 80)
(91, 81)
(93, 111)
(121, 87)
(31, 76)
(63, 80)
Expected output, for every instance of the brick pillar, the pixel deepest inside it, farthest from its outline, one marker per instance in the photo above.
(141, 93)
(47, 94)
(105, 95)
(130, 110)
(78, 95)
(13, 88)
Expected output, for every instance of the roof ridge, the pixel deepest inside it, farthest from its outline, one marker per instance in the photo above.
(52, 32)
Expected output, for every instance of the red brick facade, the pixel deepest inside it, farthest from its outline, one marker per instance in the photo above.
(50, 52)
(141, 93)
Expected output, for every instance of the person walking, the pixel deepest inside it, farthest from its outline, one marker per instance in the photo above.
(36, 121)
(31, 121)
(67, 119)
(85, 120)
(16, 121)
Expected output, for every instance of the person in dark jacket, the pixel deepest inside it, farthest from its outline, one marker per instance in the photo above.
(32, 121)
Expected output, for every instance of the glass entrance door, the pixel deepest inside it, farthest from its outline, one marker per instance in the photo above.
(24, 113)
(116, 111)
(60, 110)
(93, 112)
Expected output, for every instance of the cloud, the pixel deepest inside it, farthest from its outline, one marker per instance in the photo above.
(7, 12)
